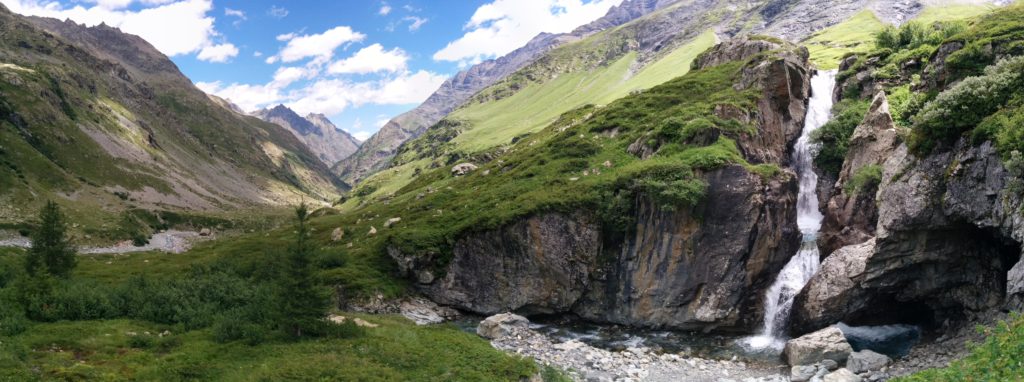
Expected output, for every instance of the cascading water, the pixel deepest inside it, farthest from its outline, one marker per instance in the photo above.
(796, 273)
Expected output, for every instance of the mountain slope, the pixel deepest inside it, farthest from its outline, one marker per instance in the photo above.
(100, 121)
(318, 133)
(376, 153)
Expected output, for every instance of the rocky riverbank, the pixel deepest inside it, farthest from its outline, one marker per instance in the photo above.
(584, 362)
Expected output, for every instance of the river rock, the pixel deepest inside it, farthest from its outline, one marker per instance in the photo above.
(205, 232)
(802, 373)
(866, 360)
(391, 222)
(809, 349)
(500, 325)
(841, 375)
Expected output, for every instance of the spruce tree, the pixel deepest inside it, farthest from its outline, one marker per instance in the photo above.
(301, 305)
(52, 251)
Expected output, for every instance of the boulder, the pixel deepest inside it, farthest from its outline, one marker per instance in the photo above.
(500, 325)
(391, 222)
(373, 231)
(832, 291)
(205, 232)
(463, 169)
(841, 375)
(1015, 286)
(866, 360)
(828, 343)
(337, 234)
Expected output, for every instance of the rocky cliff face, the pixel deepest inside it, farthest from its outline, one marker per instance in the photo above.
(948, 234)
(324, 139)
(850, 213)
(695, 268)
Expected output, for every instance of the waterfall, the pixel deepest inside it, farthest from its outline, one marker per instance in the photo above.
(779, 297)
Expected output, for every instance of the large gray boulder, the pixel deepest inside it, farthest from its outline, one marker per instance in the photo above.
(834, 290)
(501, 325)
(828, 343)
(866, 360)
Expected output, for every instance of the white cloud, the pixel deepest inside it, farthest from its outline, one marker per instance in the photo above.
(234, 12)
(277, 12)
(384, 10)
(257, 54)
(286, 36)
(415, 22)
(247, 97)
(218, 53)
(501, 26)
(320, 46)
(287, 75)
(193, 28)
(329, 96)
(371, 59)
(362, 136)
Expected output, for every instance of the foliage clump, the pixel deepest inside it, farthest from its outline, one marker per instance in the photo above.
(965, 105)
(833, 138)
(864, 181)
(999, 358)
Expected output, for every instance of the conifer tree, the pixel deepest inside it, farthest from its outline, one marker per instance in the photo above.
(52, 251)
(301, 305)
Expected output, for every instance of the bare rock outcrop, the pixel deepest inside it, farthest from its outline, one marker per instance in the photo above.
(850, 213)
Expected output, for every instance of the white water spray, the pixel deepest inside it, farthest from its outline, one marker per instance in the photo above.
(779, 296)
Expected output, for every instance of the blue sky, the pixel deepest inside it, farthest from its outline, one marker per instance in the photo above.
(359, 62)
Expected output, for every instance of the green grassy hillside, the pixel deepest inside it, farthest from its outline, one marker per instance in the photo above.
(855, 35)
(102, 131)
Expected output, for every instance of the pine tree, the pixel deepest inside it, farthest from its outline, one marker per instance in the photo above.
(301, 305)
(52, 251)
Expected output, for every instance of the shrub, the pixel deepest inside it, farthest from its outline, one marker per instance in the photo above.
(239, 325)
(141, 341)
(865, 180)
(833, 138)
(999, 358)
(965, 105)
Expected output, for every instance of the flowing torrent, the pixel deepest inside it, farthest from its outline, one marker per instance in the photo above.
(796, 273)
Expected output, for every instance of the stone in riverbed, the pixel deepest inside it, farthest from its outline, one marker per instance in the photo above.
(842, 375)
(501, 325)
(866, 360)
(802, 373)
(828, 343)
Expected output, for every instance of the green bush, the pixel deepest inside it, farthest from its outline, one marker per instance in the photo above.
(141, 341)
(834, 136)
(962, 107)
(865, 180)
(999, 358)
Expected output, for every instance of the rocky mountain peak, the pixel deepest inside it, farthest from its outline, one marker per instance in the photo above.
(318, 133)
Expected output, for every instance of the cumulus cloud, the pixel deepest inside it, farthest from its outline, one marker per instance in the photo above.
(328, 95)
(384, 10)
(234, 12)
(371, 59)
(501, 26)
(218, 53)
(320, 45)
(194, 31)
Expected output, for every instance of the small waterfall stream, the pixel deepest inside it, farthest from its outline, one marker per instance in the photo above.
(779, 296)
